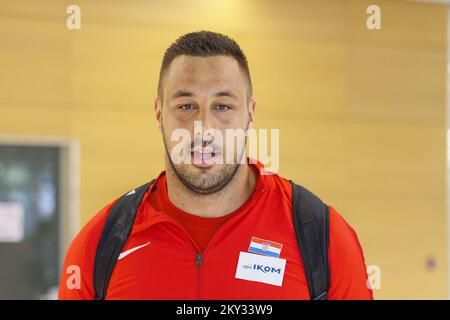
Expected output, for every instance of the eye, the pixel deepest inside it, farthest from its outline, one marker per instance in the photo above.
(222, 107)
(186, 107)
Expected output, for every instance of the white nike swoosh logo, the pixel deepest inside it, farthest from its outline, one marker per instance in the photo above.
(125, 253)
(131, 192)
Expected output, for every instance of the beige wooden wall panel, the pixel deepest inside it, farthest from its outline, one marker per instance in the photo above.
(361, 113)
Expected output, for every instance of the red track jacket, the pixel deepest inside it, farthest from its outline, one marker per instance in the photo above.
(161, 261)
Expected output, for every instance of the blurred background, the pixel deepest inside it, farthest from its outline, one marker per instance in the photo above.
(362, 115)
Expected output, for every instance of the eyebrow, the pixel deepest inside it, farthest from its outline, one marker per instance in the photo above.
(225, 94)
(184, 93)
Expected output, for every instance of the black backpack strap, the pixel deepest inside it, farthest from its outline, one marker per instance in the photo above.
(311, 222)
(115, 234)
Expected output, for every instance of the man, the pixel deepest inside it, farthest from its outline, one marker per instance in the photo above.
(197, 227)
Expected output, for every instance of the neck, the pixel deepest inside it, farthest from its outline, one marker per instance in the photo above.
(218, 204)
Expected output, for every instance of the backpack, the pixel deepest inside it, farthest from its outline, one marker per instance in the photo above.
(311, 224)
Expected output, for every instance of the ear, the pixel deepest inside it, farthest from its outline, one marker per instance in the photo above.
(157, 106)
(251, 112)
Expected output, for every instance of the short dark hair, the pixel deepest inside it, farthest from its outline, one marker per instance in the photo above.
(204, 44)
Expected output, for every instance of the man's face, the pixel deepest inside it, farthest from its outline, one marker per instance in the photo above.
(215, 91)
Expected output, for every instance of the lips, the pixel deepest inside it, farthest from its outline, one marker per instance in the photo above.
(203, 158)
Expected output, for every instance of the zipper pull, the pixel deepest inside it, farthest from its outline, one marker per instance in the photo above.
(198, 259)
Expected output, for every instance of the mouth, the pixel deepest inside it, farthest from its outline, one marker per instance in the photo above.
(203, 159)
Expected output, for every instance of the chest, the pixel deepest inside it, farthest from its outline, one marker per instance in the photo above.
(233, 265)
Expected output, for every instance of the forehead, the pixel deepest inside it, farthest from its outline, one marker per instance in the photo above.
(203, 73)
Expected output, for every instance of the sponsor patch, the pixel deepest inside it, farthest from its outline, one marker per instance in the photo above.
(260, 268)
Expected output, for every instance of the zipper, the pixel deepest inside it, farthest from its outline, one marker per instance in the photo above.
(198, 264)
(199, 256)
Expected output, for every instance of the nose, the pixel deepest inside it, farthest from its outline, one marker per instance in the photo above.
(204, 130)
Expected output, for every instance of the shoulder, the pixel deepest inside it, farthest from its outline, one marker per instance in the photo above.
(349, 278)
(344, 245)
(280, 186)
(79, 260)
(284, 187)
(341, 232)
(91, 231)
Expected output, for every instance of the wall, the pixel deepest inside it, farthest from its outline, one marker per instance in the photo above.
(361, 113)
